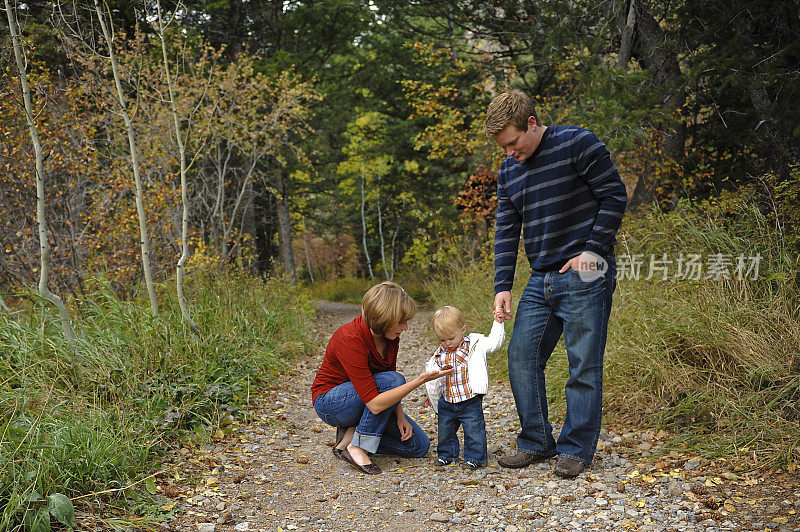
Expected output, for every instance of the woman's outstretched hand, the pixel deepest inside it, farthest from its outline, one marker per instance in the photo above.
(426, 376)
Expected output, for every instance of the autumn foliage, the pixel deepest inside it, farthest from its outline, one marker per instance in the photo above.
(237, 120)
(73, 177)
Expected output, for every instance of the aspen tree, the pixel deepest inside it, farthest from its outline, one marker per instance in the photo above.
(305, 247)
(44, 243)
(364, 222)
(187, 317)
(380, 233)
(107, 30)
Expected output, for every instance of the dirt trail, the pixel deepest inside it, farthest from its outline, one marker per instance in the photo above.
(278, 473)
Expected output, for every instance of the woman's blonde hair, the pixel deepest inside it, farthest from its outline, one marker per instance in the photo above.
(448, 319)
(385, 305)
(509, 109)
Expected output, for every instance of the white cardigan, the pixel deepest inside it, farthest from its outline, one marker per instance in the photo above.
(477, 372)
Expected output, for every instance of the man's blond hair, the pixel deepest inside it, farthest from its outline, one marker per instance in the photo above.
(448, 319)
(385, 305)
(509, 109)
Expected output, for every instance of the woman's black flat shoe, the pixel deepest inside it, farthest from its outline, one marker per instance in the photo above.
(369, 469)
(340, 432)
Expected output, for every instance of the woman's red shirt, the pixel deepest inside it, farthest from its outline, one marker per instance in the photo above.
(352, 356)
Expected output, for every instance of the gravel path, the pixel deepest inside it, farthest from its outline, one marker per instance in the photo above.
(278, 473)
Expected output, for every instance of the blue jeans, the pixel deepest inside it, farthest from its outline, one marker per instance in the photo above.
(551, 304)
(468, 414)
(375, 433)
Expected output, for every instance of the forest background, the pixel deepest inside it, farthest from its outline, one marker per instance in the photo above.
(246, 147)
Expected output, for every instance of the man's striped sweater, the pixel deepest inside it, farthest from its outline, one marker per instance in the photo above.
(567, 197)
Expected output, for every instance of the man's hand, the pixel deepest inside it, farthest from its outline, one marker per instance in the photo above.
(502, 306)
(580, 262)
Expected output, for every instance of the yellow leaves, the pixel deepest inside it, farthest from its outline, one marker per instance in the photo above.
(411, 167)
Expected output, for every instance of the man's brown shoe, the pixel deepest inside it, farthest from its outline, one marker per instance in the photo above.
(515, 461)
(567, 467)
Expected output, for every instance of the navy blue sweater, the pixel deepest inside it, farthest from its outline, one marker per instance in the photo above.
(567, 197)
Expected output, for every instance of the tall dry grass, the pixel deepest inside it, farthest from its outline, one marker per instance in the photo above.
(716, 362)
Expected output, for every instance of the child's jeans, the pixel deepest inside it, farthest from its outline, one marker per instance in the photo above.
(469, 414)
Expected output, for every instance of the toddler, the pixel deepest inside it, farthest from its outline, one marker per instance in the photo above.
(457, 398)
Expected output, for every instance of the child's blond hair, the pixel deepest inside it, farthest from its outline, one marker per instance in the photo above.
(448, 319)
(385, 305)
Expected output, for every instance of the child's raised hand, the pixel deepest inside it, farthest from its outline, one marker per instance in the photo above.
(502, 306)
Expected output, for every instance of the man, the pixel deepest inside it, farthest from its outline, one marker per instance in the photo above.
(561, 189)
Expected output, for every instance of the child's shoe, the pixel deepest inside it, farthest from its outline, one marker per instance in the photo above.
(443, 462)
(472, 465)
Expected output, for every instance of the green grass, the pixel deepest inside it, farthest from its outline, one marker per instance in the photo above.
(352, 289)
(717, 363)
(141, 383)
(341, 289)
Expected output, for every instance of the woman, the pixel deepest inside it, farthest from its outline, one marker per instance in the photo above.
(357, 388)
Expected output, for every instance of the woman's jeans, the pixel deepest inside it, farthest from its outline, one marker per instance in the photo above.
(551, 304)
(469, 414)
(375, 433)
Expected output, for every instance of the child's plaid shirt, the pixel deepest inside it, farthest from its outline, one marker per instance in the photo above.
(456, 385)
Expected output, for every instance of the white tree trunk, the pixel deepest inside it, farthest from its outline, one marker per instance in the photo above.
(187, 317)
(305, 245)
(44, 243)
(364, 224)
(383, 244)
(148, 272)
(284, 225)
(394, 249)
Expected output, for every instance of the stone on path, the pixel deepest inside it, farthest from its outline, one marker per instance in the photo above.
(439, 517)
